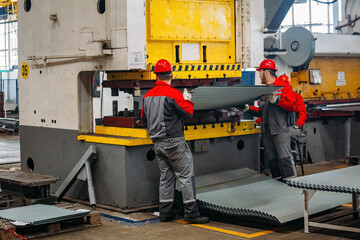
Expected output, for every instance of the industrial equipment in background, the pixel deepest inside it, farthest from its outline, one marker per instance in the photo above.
(124, 39)
(1, 104)
(208, 49)
(10, 8)
(324, 70)
(10, 125)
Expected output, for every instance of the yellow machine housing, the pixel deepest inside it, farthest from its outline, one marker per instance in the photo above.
(332, 86)
(208, 27)
(205, 27)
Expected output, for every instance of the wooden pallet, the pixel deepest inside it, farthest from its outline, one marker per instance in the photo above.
(93, 219)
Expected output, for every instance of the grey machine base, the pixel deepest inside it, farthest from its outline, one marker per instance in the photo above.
(325, 139)
(123, 176)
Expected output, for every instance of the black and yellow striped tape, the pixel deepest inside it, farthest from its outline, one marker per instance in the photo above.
(207, 67)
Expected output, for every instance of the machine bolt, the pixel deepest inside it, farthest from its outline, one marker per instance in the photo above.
(53, 17)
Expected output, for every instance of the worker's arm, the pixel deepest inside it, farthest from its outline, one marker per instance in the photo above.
(287, 100)
(255, 111)
(184, 107)
(143, 116)
(300, 110)
(258, 121)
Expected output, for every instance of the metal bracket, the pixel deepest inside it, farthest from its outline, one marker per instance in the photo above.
(308, 193)
(78, 172)
(201, 145)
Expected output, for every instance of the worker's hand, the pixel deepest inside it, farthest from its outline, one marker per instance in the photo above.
(187, 95)
(296, 126)
(271, 98)
(244, 108)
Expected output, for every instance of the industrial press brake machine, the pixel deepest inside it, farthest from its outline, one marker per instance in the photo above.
(325, 72)
(61, 48)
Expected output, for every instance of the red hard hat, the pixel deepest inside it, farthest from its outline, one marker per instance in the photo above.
(162, 65)
(285, 78)
(268, 64)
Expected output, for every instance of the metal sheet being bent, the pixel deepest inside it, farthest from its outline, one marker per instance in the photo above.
(245, 193)
(217, 97)
(345, 180)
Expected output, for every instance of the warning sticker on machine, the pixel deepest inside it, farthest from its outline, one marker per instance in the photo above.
(136, 60)
(25, 70)
(341, 79)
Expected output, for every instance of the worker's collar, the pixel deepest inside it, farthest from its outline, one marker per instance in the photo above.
(158, 82)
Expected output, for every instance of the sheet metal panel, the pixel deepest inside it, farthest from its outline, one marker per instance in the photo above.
(217, 97)
(40, 214)
(245, 193)
(345, 180)
(27, 178)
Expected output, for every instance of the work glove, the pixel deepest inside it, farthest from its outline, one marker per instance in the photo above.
(187, 95)
(244, 108)
(271, 98)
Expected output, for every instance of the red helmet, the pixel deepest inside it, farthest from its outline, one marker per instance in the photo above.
(268, 64)
(162, 66)
(285, 79)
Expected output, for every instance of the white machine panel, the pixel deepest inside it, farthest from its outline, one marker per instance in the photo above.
(250, 44)
(62, 46)
(337, 45)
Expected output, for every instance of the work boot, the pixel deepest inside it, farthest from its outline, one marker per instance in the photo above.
(197, 220)
(166, 212)
(167, 219)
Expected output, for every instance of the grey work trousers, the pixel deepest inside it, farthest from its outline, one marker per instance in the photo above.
(277, 152)
(175, 161)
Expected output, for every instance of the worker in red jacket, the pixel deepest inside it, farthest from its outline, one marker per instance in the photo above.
(274, 110)
(164, 110)
(300, 105)
(300, 112)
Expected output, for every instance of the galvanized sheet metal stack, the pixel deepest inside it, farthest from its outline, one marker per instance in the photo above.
(246, 194)
(345, 180)
(40, 214)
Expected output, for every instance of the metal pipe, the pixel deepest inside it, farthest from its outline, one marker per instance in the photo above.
(310, 21)
(115, 108)
(9, 61)
(136, 109)
(306, 211)
(355, 205)
(347, 139)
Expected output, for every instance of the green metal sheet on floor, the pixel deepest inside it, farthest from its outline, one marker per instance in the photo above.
(245, 193)
(39, 214)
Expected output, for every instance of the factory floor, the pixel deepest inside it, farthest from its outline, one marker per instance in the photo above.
(144, 225)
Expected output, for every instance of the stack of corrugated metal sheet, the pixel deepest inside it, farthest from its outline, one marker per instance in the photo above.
(345, 180)
(217, 97)
(246, 194)
(40, 214)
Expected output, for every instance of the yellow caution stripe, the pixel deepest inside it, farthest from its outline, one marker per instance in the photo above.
(342, 166)
(348, 205)
(184, 71)
(230, 232)
(204, 67)
(123, 141)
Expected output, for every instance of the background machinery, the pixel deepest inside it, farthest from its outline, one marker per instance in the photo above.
(324, 69)
(206, 41)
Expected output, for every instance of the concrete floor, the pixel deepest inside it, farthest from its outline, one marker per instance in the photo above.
(144, 225)
(9, 148)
